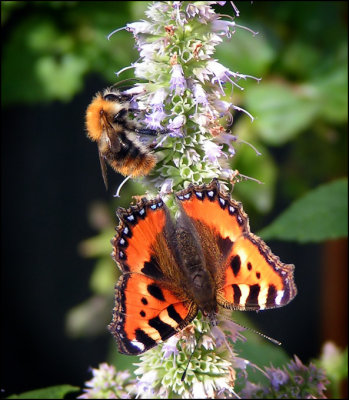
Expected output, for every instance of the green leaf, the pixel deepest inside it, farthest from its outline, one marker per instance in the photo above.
(247, 54)
(89, 319)
(300, 50)
(98, 245)
(281, 110)
(62, 78)
(52, 392)
(333, 94)
(262, 168)
(320, 215)
(103, 273)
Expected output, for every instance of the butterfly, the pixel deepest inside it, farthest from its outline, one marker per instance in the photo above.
(205, 259)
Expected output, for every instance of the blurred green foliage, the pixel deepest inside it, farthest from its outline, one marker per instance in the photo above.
(300, 106)
(52, 392)
(319, 215)
(50, 47)
(335, 362)
(300, 52)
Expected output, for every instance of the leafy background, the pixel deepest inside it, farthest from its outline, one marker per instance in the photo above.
(57, 219)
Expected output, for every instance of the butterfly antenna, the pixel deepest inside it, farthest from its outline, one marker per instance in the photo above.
(263, 335)
(260, 334)
(191, 355)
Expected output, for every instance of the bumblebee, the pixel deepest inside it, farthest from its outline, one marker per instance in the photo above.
(109, 123)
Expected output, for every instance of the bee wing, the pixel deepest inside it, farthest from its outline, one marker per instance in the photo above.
(103, 168)
(113, 139)
(115, 142)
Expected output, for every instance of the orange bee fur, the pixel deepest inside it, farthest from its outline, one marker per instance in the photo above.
(109, 124)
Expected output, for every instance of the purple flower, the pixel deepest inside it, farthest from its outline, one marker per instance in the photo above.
(199, 95)
(144, 388)
(298, 379)
(205, 12)
(227, 139)
(233, 330)
(296, 365)
(212, 152)
(193, 156)
(277, 377)
(107, 383)
(208, 342)
(175, 125)
(250, 391)
(201, 73)
(223, 27)
(223, 107)
(147, 50)
(177, 82)
(157, 99)
(153, 120)
(140, 27)
(221, 74)
(219, 336)
(170, 346)
(191, 10)
(179, 16)
(166, 188)
(156, 11)
(221, 3)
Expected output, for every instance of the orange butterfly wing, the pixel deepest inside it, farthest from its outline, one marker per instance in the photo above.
(149, 305)
(248, 275)
(254, 278)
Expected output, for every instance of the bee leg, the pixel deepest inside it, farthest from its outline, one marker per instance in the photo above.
(151, 132)
(146, 131)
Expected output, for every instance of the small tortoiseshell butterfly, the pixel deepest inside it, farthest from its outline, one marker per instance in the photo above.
(206, 258)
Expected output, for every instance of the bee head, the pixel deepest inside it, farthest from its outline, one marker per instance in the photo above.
(108, 108)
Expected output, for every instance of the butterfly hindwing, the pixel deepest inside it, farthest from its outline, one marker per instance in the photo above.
(149, 305)
(146, 313)
(254, 278)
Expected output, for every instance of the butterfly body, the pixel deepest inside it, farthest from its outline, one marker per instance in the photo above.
(189, 255)
(205, 259)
